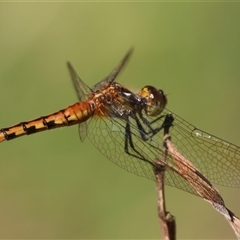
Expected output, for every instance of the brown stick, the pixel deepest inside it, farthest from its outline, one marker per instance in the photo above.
(166, 220)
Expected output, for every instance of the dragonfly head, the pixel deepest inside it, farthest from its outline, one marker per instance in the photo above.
(156, 100)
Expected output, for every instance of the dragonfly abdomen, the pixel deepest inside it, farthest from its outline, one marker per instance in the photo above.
(77, 113)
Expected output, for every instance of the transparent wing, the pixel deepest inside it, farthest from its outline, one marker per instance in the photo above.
(113, 74)
(217, 160)
(81, 89)
(107, 134)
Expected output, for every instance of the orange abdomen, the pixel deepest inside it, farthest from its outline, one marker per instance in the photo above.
(77, 113)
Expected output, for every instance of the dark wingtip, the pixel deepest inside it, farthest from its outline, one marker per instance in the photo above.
(111, 77)
(69, 65)
(128, 54)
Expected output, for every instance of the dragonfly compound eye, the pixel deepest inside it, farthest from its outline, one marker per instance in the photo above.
(156, 100)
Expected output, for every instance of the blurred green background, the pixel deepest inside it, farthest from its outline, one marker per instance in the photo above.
(54, 186)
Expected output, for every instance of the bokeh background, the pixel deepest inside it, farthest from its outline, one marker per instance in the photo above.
(54, 186)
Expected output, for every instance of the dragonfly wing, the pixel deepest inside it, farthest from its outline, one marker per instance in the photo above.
(82, 130)
(81, 89)
(217, 160)
(108, 135)
(214, 159)
(111, 77)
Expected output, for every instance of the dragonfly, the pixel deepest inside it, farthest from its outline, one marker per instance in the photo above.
(132, 130)
(128, 128)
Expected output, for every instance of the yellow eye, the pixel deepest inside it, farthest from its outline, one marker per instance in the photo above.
(156, 100)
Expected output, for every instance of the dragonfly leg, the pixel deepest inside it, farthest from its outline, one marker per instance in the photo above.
(167, 123)
(129, 142)
(143, 133)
